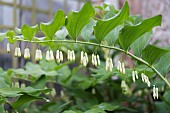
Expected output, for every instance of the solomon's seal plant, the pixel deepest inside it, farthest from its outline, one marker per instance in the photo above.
(92, 39)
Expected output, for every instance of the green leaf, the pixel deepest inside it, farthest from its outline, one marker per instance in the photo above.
(152, 53)
(87, 30)
(77, 20)
(61, 34)
(24, 99)
(40, 83)
(163, 65)
(113, 35)
(103, 27)
(2, 36)
(18, 31)
(130, 33)
(50, 28)
(107, 106)
(139, 44)
(29, 32)
(69, 111)
(95, 110)
(10, 35)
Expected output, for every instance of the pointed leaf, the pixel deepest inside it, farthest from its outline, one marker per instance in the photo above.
(61, 34)
(163, 65)
(24, 99)
(2, 36)
(152, 53)
(88, 29)
(10, 35)
(139, 44)
(113, 35)
(77, 20)
(130, 33)
(29, 32)
(103, 27)
(40, 83)
(50, 28)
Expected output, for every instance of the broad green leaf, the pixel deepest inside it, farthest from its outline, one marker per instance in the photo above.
(10, 35)
(95, 110)
(18, 31)
(103, 27)
(131, 33)
(139, 44)
(29, 32)
(113, 35)
(77, 20)
(2, 36)
(69, 111)
(107, 106)
(40, 83)
(152, 53)
(133, 20)
(163, 65)
(88, 30)
(24, 99)
(61, 34)
(50, 28)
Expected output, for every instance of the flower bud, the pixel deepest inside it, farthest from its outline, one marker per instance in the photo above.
(58, 56)
(133, 76)
(51, 55)
(61, 56)
(136, 74)
(84, 61)
(73, 56)
(123, 68)
(16, 52)
(19, 52)
(98, 60)
(8, 47)
(92, 59)
(68, 54)
(40, 54)
(48, 56)
(85, 54)
(95, 60)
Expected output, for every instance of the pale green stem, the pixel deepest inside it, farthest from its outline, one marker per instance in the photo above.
(109, 47)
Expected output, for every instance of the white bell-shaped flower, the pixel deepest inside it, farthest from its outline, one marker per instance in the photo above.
(26, 53)
(8, 47)
(19, 52)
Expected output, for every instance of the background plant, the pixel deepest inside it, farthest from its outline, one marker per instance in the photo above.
(89, 89)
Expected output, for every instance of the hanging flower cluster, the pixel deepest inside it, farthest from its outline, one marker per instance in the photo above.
(121, 67)
(49, 56)
(145, 79)
(84, 61)
(155, 92)
(17, 52)
(71, 55)
(84, 58)
(95, 60)
(134, 75)
(109, 64)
